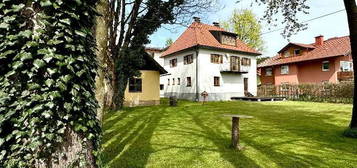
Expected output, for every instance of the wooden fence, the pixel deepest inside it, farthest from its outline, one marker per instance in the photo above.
(334, 93)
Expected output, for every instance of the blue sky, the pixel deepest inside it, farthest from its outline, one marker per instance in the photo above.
(331, 26)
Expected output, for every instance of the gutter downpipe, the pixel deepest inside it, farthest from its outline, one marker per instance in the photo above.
(197, 89)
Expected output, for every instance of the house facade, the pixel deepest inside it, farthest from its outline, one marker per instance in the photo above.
(208, 58)
(323, 61)
(145, 90)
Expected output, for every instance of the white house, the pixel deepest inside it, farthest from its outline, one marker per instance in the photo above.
(208, 58)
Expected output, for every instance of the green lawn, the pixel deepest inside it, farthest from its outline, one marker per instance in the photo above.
(282, 134)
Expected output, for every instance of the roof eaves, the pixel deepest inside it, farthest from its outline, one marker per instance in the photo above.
(226, 49)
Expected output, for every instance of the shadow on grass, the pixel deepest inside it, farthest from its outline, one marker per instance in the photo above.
(236, 158)
(281, 135)
(127, 143)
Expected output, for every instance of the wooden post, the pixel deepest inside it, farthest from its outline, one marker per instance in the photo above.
(235, 132)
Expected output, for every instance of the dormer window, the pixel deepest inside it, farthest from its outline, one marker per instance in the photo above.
(297, 52)
(228, 40)
(286, 53)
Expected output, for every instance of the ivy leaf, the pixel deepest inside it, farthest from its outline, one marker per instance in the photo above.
(66, 78)
(68, 106)
(48, 58)
(25, 56)
(17, 8)
(17, 64)
(80, 33)
(39, 63)
(4, 54)
(26, 33)
(49, 82)
(47, 114)
(4, 25)
(51, 71)
(66, 21)
(46, 3)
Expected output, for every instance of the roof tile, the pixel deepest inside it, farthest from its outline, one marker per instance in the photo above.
(198, 34)
(333, 47)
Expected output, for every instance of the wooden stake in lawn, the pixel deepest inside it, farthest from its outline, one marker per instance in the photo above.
(204, 94)
(235, 129)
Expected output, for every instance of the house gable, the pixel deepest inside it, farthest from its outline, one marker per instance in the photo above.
(204, 35)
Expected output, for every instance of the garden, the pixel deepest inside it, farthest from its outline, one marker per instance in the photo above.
(281, 134)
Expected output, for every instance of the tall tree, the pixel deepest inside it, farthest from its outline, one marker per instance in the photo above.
(289, 9)
(130, 22)
(246, 25)
(168, 42)
(47, 71)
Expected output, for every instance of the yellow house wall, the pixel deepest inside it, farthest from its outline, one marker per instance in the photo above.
(150, 94)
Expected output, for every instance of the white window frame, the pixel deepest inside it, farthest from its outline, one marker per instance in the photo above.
(271, 71)
(287, 69)
(322, 66)
(350, 68)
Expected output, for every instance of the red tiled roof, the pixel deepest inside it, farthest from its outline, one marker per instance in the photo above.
(309, 46)
(198, 34)
(333, 47)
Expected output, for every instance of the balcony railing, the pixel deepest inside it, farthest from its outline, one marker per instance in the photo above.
(345, 76)
(227, 67)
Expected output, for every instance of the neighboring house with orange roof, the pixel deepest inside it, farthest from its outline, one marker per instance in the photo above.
(323, 61)
(208, 58)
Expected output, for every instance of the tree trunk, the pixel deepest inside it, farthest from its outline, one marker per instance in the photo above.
(115, 99)
(351, 9)
(71, 153)
(102, 53)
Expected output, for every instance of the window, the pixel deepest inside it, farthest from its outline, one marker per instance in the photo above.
(287, 53)
(216, 58)
(297, 52)
(284, 69)
(173, 81)
(346, 66)
(235, 63)
(325, 66)
(216, 81)
(168, 82)
(188, 59)
(245, 61)
(135, 85)
(161, 87)
(228, 40)
(173, 62)
(178, 81)
(268, 71)
(189, 84)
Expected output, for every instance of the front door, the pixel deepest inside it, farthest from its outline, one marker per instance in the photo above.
(245, 86)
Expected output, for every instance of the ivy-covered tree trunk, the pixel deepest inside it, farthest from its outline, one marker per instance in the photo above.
(47, 71)
(351, 9)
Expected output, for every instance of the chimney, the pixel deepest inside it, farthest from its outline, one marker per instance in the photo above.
(197, 19)
(319, 40)
(216, 24)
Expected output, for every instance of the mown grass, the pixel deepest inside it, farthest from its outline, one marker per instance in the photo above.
(281, 134)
